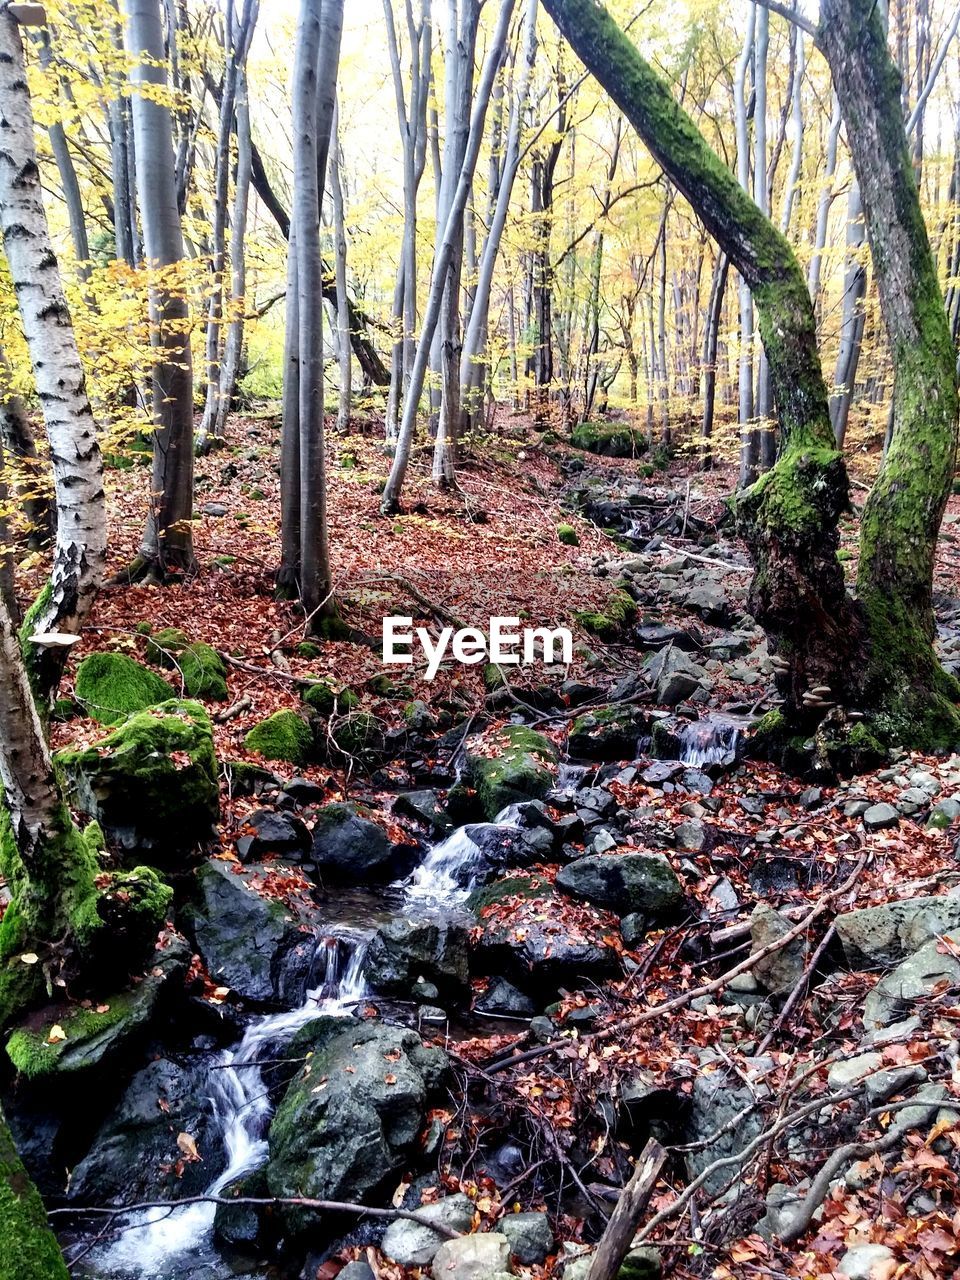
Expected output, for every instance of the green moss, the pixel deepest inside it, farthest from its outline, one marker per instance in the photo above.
(204, 672)
(33, 1053)
(517, 771)
(165, 646)
(282, 736)
(493, 677)
(618, 613)
(326, 700)
(359, 736)
(526, 887)
(30, 1250)
(567, 534)
(112, 686)
(307, 649)
(612, 440)
(333, 627)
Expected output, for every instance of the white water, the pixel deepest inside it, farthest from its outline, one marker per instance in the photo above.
(152, 1240)
(444, 877)
(706, 742)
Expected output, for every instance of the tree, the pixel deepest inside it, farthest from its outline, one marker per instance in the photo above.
(167, 546)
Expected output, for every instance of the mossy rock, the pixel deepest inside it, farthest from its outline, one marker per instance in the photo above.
(282, 736)
(204, 672)
(609, 733)
(359, 736)
(517, 772)
(326, 699)
(30, 1248)
(165, 646)
(493, 677)
(308, 649)
(610, 440)
(567, 534)
(153, 783)
(112, 686)
(612, 621)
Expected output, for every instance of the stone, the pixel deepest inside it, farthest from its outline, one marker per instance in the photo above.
(914, 978)
(359, 1080)
(641, 1264)
(281, 736)
(502, 997)
(690, 836)
(880, 816)
(356, 1271)
(708, 601)
(611, 733)
(929, 1100)
(112, 686)
(675, 675)
(275, 833)
(864, 1262)
(425, 809)
(478, 1257)
(153, 784)
(518, 771)
(944, 814)
(715, 1104)
(912, 801)
(883, 936)
(530, 1235)
(303, 791)
(780, 971)
(404, 949)
(849, 1071)
(258, 946)
(884, 1084)
(349, 847)
(412, 1244)
(624, 882)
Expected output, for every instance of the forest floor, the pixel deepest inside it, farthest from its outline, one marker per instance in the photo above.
(491, 548)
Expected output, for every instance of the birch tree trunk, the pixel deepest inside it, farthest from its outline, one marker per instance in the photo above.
(749, 441)
(824, 203)
(167, 547)
(766, 428)
(852, 318)
(80, 550)
(19, 442)
(340, 260)
(718, 288)
(391, 494)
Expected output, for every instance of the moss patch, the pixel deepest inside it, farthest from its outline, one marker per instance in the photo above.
(30, 1248)
(618, 613)
(282, 736)
(567, 534)
(517, 772)
(111, 686)
(326, 699)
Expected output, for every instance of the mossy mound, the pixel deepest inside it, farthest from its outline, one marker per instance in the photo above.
(609, 733)
(204, 672)
(165, 646)
(518, 771)
(282, 736)
(327, 700)
(153, 783)
(610, 440)
(29, 1246)
(359, 736)
(112, 686)
(567, 534)
(610, 623)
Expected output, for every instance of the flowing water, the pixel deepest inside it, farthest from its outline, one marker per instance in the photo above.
(710, 741)
(448, 874)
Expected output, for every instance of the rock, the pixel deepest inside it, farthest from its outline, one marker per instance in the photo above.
(883, 936)
(641, 1264)
(359, 736)
(867, 1262)
(715, 1104)
(202, 672)
(134, 1155)
(503, 998)
(624, 882)
(356, 1271)
(113, 686)
(405, 949)
(884, 1084)
(424, 808)
(255, 945)
(610, 733)
(780, 971)
(917, 976)
(273, 833)
(214, 509)
(708, 601)
(349, 847)
(929, 1100)
(880, 816)
(414, 1245)
(517, 772)
(675, 675)
(418, 717)
(690, 836)
(848, 1071)
(241, 1225)
(530, 1236)
(93, 1038)
(282, 736)
(364, 1081)
(479, 1257)
(152, 784)
(911, 801)
(944, 814)
(633, 928)
(302, 791)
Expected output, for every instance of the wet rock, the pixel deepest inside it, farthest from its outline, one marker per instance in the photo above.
(361, 1079)
(414, 1245)
(424, 808)
(517, 772)
(916, 977)
(502, 997)
(479, 1257)
(241, 1225)
(885, 935)
(273, 833)
(610, 733)
(880, 816)
(624, 882)
(780, 971)
(530, 1236)
(349, 847)
(403, 950)
(255, 944)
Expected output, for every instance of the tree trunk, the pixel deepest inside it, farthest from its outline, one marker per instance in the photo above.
(30, 1247)
(340, 259)
(19, 442)
(66, 169)
(495, 52)
(167, 546)
(852, 319)
(80, 550)
(902, 682)
(789, 517)
(824, 203)
(749, 439)
(718, 288)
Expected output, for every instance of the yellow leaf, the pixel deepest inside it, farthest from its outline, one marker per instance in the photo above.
(56, 1034)
(188, 1146)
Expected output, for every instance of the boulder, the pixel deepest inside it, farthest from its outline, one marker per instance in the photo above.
(611, 733)
(282, 736)
(405, 949)
(883, 936)
(707, 600)
(503, 998)
(914, 978)
(425, 809)
(675, 675)
(412, 1244)
(480, 1257)
(349, 1121)
(624, 882)
(349, 847)
(516, 772)
(726, 1113)
(272, 832)
(152, 784)
(112, 686)
(880, 816)
(134, 1156)
(780, 971)
(259, 944)
(530, 1235)
(204, 672)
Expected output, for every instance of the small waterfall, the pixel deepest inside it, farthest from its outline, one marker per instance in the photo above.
(151, 1241)
(709, 742)
(448, 873)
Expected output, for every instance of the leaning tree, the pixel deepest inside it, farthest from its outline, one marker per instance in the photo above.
(874, 652)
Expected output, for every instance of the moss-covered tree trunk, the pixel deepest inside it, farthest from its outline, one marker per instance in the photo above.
(901, 679)
(789, 517)
(28, 1248)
